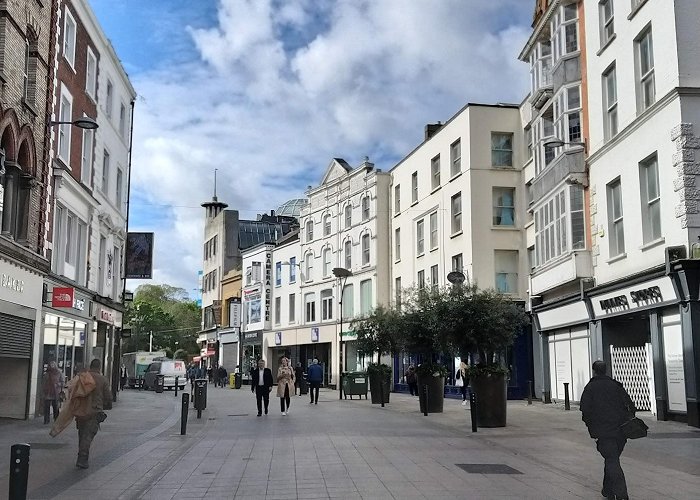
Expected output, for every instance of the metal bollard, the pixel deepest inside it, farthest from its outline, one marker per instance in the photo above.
(183, 413)
(425, 400)
(381, 392)
(177, 384)
(567, 405)
(19, 471)
(529, 392)
(472, 409)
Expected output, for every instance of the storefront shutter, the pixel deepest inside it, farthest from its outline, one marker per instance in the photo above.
(16, 337)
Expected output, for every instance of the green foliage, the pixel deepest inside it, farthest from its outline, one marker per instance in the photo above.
(378, 369)
(431, 370)
(379, 332)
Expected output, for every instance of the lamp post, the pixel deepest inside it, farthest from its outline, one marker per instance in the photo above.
(85, 123)
(342, 274)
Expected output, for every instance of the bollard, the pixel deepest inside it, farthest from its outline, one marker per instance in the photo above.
(472, 409)
(567, 405)
(547, 397)
(19, 471)
(183, 413)
(177, 384)
(425, 400)
(381, 391)
(529, 392)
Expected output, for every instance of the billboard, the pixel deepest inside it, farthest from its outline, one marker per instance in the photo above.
(139, 256)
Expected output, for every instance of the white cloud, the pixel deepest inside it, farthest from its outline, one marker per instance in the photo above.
(281, 86)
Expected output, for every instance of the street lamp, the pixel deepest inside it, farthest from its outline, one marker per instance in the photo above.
(555, 142)
(456, 277)
(85, 123)
(342, 274)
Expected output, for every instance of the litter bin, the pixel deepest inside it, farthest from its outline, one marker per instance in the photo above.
(200, 394)
(303, 385)
(232, 380)
(160, 383)
(355, 384)
(239, 380)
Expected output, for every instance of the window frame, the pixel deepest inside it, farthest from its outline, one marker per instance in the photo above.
(65, 129)
(348, 215)
(327, 305)
(458, 259)
(435, 172)
(616, 227)
(607, 24)
(106, 171)
(644, 79)
(291, 301)
(309, 266)
(434, 275)
(292, 270)
(397, 198)
(74, 35)
(420, 237)
(119, 188)
(310, 307)
(278, 310)
(327, 264)
(347, 253)
(91, 77)
(456, 214)
(511, 278)
(456, 157)
(365, 208)
(497, 151)
(109, 98)
(420, 279)
(86, 160)
(414, 187)
(366, 285)
(433, 227)
(365, 246)
(327, 225)
(650, 205)
(309, 225)
(498, 206)
(397, 244)
(610, 120)
(278, 273)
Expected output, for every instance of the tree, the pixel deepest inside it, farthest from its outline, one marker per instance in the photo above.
(379, 332)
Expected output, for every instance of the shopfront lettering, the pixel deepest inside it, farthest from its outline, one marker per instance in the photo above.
(79, 304)
(651, 294)
(268, 283)
(619, 302)
(11, 283)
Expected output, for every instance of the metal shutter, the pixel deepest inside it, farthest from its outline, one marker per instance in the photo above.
(16, 337)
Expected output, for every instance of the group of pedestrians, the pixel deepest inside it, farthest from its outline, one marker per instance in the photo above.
(288, 381)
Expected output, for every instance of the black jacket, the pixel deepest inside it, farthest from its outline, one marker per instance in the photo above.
(605, 406)
(267, 378)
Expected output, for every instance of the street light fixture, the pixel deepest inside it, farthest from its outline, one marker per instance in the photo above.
(342, 274)
(555, 142)
(85, 122)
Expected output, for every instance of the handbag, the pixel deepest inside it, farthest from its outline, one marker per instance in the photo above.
(634, 428)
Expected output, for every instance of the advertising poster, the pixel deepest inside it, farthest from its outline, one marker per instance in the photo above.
(139, 256)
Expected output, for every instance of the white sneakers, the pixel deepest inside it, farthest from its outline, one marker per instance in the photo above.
(284, 413)
(464, 403)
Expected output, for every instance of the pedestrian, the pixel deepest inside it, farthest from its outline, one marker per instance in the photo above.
(192, 373)
(215, 375)
(52, 391)
(285, 382)
(210, 374)
(411, 380)
(261, 385)
(462, 381)
(123, 377)
(605, 406)
(222, 376)
(298, 377)
(91, 414)
(314, 374)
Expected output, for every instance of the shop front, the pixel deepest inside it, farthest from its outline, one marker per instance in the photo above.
(228, 355)
(20, 320)
(302, 345)
(251, 352)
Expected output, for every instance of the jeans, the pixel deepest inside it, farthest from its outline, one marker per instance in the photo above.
(285, 399)
(464, 390)
(87, 430)
(262, 393)
(314, 387)
(613, 477)
(48, 405)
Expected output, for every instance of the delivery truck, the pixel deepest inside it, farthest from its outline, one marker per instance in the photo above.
(137, 362)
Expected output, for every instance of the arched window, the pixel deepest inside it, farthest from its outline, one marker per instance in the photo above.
(309, 230)
(15, 189)
(348, 254)
(327, 225)
(309, 266)
(348, 216)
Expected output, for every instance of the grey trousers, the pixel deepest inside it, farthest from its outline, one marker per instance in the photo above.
(87, 430)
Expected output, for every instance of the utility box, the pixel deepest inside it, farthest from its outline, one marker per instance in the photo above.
(200, 394)
(355, 384)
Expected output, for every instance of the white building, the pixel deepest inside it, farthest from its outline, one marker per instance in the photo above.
(458, 203)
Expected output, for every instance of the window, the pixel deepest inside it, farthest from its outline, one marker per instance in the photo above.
(420, 237)
(457, 263)
(69, 253)
(397, 199)
(122, 119)
(651, 199)
(293, 270)
(91, 74)
(434, 277)
(455, 158)
(26, 69)
(567, 115)
(120, 194)
(327, 261)
(433, 231)
(214, 245)
(646, 92)
(348, 254)
(278, 274)
(637, 3)
(348, 302)
(564, 29)
(326, 305)
(257, 272)
(248, 277)
(456, 215)
(414, 187)
(365, 297)
(309, 230)
(109, 97)
(554, 234)
(309, 266)
(421, 280)
(278, 310)
(86, 158)
(348, 216)
(578, 228)
(503, 206)
(64, 130)
(501, 149)
(435, 172)
(528, 142)
(101, 258)
(615, 221)
(397, 293)
(397, 244)
(610, 103)
(327, 225)
(365, 249)
(105, 172)
(541, 67)
(81, 252)
(292, 307)
(506, 265)
(69, 38)
(310, 307)
(607, 21)
(365, 208)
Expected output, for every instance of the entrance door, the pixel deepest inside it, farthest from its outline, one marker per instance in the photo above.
(630, 367)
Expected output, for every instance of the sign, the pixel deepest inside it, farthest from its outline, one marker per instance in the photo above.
(234, 312)
(278, 338)
(7, 281)
(252, 337)
(351, 334)
(644, 295)
(673, 357)
(314, 334)
(139, 256)
(128, 296)
(106, 316)
(216, 309)
(79, 304)
(62, 296)
(268, 284)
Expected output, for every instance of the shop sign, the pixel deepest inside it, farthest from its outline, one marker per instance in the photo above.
(268, 284)
(314, 334)
(278, 338)
(79, 304)
(352, 334)
(11, 283)
(642, 296)
(106, 316)
(252, 337)
(234, 312)
(62, 297)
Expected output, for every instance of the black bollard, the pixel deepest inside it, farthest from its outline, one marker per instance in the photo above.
(19, 471)
(177, 383)
(425, 400)
(183, 413)
(529, 392)
(381, 391)
(567, 405)
(472, 409)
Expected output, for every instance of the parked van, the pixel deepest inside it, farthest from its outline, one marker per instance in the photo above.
(170, 369)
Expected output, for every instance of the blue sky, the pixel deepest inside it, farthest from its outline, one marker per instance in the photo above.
(268, 91)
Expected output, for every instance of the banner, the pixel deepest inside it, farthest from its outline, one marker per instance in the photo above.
(139, 256)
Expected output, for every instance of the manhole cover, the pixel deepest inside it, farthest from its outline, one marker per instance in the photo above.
(673, 435)
(239, 415)
(47, 446)
(488, 469)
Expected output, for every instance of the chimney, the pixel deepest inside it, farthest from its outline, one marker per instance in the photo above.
(272, 213)
(431, 129)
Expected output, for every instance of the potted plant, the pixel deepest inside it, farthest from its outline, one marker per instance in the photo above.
(379, 375)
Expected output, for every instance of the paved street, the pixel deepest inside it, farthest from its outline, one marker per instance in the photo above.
(348, 449)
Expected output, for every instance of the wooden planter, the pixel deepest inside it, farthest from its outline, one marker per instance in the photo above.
(491, 397)
(377, 384)
(436, 393)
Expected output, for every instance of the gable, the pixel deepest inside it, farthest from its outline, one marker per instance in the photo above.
(336, 168)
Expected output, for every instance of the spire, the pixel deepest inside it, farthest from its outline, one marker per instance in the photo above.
(214, 207)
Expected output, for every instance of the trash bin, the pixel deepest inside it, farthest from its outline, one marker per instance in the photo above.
(232, 380)
(239, 380)
(303, 385)
(355, 384)
(160, 383)
(200, 394)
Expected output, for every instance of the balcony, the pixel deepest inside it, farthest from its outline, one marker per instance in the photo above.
(568, 268)
(569, 166)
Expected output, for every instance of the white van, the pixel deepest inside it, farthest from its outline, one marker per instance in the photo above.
(170, 369)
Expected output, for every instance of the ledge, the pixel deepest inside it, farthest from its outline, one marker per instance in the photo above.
(636, 9)
(458, 174)
(606, 44)
(616, 258)
(458, 233)
(652, 244)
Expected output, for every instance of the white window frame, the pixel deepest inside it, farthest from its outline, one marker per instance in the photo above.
(309, 230)
(292, 307)
(606, 11)
(559, 225)
(119, 188)
(326, 305)
(348, 215)
(365, 208)
(86, 156)
(506, 276)
(435, 173)
(122, 120)
(646, 85)
(310, 307)
(69, 39)
(327, 225)
(420, 237)
(434, 239)
(559, 26)
(414, 187)
(366, 301)
(650, 199)
(456, 157)
(397, 244)
(348, 299)
(616, 227)
(292, 269)
(278, 310)
(397, 199)
(278, 273)
(541, 66)
(327, 266)
(458, 262)
(499, 208)
(109, 98)
(456, 213)
(610, 125)
(434, 275)
(365, 244)
(65, 114)
(91, 74)
(347, 253)
(309, 266)
(106, 171)
(497, 151)
(567, 113)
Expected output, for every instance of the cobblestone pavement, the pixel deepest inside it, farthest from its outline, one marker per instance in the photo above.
(346, 449)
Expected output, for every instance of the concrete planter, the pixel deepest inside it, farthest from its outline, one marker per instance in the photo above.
(491, 397)
(436, 393)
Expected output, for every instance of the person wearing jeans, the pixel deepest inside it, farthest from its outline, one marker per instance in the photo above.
(52, 388)
(315, 377)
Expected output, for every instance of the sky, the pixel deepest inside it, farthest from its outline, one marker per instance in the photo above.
(269, 91)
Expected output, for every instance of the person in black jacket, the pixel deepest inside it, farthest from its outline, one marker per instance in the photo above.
(261, 384)
(605, 406)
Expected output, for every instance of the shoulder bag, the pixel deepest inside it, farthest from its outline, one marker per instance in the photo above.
(634, 428)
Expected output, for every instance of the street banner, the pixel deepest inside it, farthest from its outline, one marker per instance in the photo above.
(139, 256)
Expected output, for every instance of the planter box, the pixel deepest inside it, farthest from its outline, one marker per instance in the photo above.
(377, 384)
(436, 393)
(491, 399)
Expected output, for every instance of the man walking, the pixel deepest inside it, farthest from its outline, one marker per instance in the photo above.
(52, 387)
(261, 384)
(605, 406)
(314, 375)
(99, 399)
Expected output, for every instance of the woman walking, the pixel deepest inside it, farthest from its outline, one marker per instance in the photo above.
(285, 384)
(462, 381)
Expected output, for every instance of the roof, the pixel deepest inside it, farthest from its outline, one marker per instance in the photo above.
(292, 207)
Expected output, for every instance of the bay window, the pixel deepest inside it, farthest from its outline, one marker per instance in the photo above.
(557, 230)
(564, 29)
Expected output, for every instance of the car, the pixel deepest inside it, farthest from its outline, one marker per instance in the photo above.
(169, 369)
